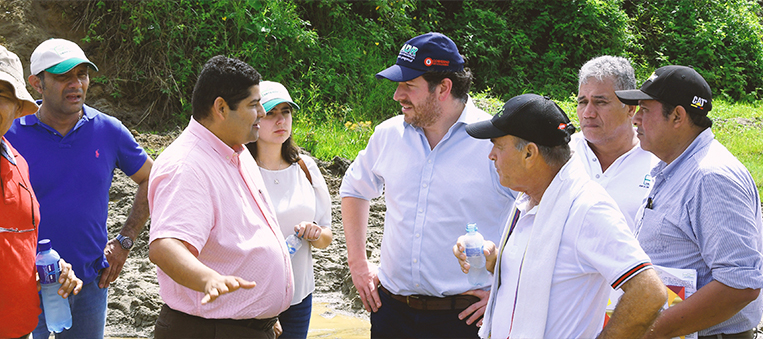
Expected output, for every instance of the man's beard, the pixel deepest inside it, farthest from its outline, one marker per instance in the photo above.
(426, 114)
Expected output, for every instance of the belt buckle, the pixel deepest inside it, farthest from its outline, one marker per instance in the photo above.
(409, 297)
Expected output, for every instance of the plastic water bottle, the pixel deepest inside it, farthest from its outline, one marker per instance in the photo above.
(475, 256)
(293, 244)
(58, 316)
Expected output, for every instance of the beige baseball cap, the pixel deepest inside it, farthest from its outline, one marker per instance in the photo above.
(12, 72)
(57, 56)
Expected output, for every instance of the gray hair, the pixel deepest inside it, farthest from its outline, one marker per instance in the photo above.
(555, 156)
(618, 68)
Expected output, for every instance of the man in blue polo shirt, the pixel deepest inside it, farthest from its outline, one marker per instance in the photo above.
(72, 151)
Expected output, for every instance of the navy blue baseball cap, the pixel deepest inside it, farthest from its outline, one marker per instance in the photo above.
(428, 52)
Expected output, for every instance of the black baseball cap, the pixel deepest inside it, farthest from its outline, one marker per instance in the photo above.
(427, 52)
(531, 117)
(676, 85)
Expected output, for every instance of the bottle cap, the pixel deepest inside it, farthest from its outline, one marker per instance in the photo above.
(471, 227)
(43, 245)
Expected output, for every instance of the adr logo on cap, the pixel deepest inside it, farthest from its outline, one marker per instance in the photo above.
(408, 53)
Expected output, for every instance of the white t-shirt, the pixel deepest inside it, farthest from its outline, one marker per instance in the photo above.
(296, 200)
(596, 252)
(627, 180)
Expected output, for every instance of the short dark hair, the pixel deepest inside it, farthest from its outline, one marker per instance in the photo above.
(223, 77)
(700, 120)
(289, 151)
(462, 82)
(555, 156)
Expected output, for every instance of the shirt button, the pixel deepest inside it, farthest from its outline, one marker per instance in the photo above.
(418, 235)
(417, 285)
(415, 260)
(425, 185)
(595, 160)
(597, 176)
(429, 161)
(421, 211)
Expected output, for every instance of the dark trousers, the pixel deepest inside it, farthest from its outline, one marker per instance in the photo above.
(395, 319)
(295, 321)
(175, 324)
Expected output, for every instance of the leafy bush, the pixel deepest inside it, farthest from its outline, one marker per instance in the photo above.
(327, 52)
(721, 39)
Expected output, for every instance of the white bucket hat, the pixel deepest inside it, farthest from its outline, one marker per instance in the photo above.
(12, 72)
(57, 56)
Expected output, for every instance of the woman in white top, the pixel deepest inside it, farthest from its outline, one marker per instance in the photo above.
(300, 198)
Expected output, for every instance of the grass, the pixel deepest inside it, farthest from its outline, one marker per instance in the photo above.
(738, 126)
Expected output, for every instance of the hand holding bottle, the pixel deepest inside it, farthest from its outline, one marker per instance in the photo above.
(70, 284)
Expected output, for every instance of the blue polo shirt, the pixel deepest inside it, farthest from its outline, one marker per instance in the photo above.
(71, 176)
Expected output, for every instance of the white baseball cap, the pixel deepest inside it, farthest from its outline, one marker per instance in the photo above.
(273, 94)
(12, 72)
(57, 56)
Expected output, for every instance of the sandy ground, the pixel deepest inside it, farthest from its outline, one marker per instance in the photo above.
(134, 301)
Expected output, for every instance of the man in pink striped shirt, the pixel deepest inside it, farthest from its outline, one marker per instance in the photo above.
(223, 268)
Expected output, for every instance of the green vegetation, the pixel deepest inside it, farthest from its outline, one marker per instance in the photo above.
(327, 52)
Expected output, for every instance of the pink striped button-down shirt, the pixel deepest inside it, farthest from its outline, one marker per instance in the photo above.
(205, 193)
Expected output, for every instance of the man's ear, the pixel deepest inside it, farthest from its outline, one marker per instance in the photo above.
(531, 152)
(36, 83)
(444, 88)
(679, 116)
(632, 110)
(220, 109)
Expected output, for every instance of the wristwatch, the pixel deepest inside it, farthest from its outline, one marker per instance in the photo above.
(126, 242)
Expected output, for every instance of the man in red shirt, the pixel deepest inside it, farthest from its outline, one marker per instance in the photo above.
(19, 300)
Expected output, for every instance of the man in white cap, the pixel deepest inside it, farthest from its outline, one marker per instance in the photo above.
(435, 180)
(72, 150)
(19, 299)
(703, 212)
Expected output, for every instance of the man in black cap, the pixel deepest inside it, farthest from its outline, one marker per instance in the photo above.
(566, 242)
(703, 212)
(435, 180)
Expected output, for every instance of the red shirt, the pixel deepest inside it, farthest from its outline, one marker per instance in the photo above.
(19, 218)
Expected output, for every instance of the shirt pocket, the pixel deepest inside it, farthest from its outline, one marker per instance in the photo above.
(18, 202)
(650, 231)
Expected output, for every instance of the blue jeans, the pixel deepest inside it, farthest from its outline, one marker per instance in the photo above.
(395, 319)
(88, 314)
(295, 321)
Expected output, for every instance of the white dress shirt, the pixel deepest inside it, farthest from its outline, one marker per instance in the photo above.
(431, 195)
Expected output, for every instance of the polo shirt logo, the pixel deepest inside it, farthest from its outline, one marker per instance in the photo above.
(647, 181)
(97, 154)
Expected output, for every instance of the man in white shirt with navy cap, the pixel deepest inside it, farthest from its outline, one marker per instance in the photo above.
(436, 180)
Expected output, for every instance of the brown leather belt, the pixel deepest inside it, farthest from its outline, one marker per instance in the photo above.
(428, 303)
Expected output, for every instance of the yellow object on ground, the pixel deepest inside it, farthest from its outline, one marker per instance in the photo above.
(326, 323)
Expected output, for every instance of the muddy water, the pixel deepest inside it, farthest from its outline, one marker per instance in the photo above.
(326, 322)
